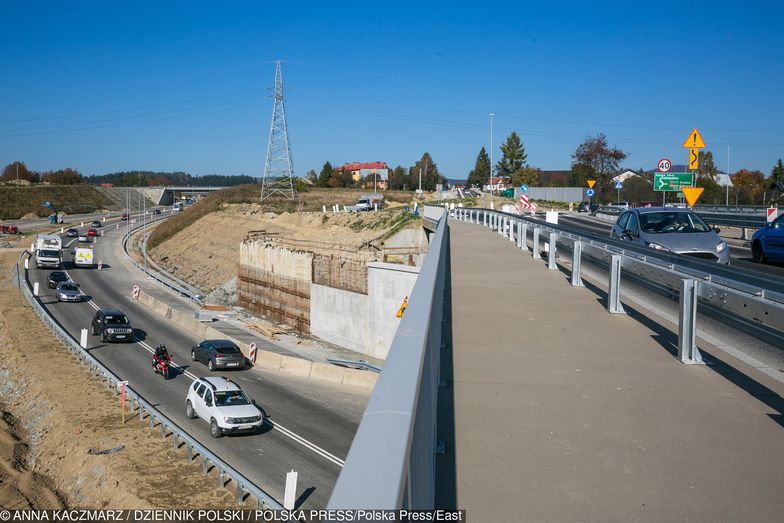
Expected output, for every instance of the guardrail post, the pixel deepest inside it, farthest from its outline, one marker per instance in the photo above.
(484, 217)
(687, 324)
(511, 230)
(221, 483)
(501, 221)
(239, 493)
(577, 254)
(551, 254)
(524, 235)
(535, 246)
(614, 289)
(189, 451)
(205, 464)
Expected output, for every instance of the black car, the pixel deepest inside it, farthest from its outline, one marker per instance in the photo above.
(587, 207)
(157, 211)
(55, 278)
(72, 233)
(218, 354)
(112, 325)
(96, 223)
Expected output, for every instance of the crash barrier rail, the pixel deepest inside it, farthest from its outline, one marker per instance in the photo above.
(391, 463)
(138, 403)
(354, 364)
(175, 284)
(714, 215)
(753, 299)
(732, 209)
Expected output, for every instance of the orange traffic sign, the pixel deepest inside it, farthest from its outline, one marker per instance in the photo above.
(591, 183)
(694, 159)
(692, 194)
(694, 141)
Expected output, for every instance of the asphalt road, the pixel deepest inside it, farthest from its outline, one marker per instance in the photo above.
(312, 426)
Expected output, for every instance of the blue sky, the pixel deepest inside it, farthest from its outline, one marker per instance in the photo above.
(104, 86)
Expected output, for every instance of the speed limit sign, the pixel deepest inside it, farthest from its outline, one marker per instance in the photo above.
(664, 165)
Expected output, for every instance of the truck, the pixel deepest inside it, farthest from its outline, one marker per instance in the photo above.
(83, 255)
(368, 202)
(48, 251)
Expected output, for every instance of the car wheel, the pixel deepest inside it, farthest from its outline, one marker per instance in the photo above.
(210, 365)
(103, 337)
(189, 412)
(93, 331)
(757, 254)
(215, 430)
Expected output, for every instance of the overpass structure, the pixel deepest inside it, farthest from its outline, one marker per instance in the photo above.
(166, 195)
(521, 393)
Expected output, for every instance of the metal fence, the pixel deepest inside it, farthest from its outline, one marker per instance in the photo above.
(157, 421)
(391, 463)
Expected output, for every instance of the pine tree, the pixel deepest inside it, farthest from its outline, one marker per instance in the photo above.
(481, 171)
(430, 175)
(326, 174)
(777, 173)
(514, 157)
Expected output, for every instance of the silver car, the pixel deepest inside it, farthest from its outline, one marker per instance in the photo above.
(68, 291)
(671, 229)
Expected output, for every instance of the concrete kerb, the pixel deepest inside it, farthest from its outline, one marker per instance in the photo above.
(265, 359)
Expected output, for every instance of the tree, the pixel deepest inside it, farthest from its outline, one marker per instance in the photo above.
(481, 172)
(430, 175)
(749, 185)
(528, 175)
(325, 175)
(554, 179)
(65, 176)
(638, 189)
(399, 178)
(777, 173)
(595, 158)
(312, 176)
(713, 193)
(10, 172)
(706, 166)
(513, 159)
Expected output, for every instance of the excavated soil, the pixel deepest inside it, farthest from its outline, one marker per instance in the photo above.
(53, 413)
(205, 254)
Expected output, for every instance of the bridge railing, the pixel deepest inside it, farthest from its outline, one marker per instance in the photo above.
(391, 463)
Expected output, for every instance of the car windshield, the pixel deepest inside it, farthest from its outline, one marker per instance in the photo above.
(69, 287)
(117, 320)
(231, 398)
(49, 254)
(58, 276)
(227, 350)
(672, 222)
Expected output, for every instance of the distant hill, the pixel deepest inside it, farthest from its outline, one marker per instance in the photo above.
(157, 179)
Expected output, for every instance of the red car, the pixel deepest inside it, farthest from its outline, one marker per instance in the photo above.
(124, 216)
(9, 229)
(92, 232)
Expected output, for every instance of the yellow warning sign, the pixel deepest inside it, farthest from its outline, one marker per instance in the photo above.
(692, 194)
(694, 159)
(591, 183)
(402, 308)
(694, 141)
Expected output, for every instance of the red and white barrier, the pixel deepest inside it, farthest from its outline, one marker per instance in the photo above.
(136, 291)
(252, 353)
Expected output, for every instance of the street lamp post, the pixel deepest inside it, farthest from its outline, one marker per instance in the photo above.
(491, 154)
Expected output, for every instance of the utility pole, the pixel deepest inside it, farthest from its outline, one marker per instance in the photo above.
(279, 169)
(420, 182)
(17, 174)
(491, 154)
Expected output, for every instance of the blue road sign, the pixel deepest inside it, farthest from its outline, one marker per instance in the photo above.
(619, 185)
(589, 192)
(524, 188)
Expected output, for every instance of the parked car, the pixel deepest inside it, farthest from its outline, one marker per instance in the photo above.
(92, 232)
(72, 233)
(56, 278)
(619, 205)
(587, 207)
(218, 354)
(124, 216)
(111, 325)
(767, 244)
(96, 223)
(68, 291)
(671, 229)
(223, 404)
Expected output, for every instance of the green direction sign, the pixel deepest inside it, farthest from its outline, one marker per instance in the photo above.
(671, 181)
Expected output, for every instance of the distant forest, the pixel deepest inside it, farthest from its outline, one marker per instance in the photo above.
(153, 179)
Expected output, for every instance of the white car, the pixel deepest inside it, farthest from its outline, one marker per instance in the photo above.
(223, 404)
(83, 238)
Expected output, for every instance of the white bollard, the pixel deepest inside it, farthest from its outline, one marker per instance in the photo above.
(27, 263)
(290, 494)
(35, 289)
(104, 219)
(491, 205)
(324, 209)
(83, 339)
(62, 230)
(117, 226)
(345, 209)
(82, 224)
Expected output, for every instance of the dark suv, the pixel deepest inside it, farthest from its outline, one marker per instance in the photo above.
(112, 325)
(218, 354)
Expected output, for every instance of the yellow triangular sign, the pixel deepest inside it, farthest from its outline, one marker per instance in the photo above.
(692, 194)
(591, 183)
(694, 141)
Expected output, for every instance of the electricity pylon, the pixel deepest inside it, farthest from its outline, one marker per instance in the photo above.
(279, 169)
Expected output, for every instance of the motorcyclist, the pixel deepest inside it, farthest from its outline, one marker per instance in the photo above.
(161, 354)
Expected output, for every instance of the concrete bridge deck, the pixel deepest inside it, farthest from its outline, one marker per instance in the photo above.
(564, 412)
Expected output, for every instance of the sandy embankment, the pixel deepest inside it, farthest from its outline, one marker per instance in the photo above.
(53, 413)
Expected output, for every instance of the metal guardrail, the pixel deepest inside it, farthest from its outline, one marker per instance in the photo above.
(750, 298)
(243, 485)
(354, 364)
(732, 209)
(391, 463)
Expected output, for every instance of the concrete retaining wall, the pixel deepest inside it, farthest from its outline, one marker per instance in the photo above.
(265, 359)
(339, 317)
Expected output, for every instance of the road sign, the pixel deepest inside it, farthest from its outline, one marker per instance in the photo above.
(524, 188)
(664, 165)
(589, 192)
(671, 181)
(591, 183)
(694, 159)
(694, 141)
(692, 194)
(619, 185)
(773, 213)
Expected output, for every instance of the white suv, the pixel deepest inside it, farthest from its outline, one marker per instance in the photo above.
(224, 405)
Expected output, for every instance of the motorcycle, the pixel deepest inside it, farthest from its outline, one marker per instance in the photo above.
(162, 366)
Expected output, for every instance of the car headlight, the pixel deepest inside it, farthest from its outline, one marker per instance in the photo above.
(721, 246)
(229, 420)
(658, 247)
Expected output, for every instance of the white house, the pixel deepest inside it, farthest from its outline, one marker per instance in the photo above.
(624, 176)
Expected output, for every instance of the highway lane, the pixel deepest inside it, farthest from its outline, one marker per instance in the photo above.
(740, 256)
(320, 414)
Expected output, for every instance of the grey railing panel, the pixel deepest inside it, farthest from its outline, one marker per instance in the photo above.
(391, 463)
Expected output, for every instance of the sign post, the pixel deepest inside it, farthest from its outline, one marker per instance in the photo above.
(693, 143)
(122, 385)
(618, 187)
(590, 191)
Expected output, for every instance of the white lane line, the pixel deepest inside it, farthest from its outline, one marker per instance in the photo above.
(275, 425)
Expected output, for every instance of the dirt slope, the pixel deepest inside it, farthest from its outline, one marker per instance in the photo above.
(57, 413)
